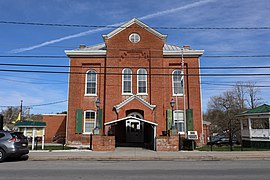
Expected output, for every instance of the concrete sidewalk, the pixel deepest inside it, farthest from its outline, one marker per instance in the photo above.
(142, 154)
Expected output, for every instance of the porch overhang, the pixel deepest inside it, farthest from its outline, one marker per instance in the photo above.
(130, 117)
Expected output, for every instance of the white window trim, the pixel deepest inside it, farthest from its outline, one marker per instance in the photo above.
(138, 82)
(123, 93)
(173, 83)
(84, 120)
(181, 132)
(85, 91)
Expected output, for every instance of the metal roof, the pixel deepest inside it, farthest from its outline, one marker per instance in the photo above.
(30, 124)
(101, 49)
(263, 109)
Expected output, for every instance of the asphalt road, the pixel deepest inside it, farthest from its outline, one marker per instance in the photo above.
(118, 170)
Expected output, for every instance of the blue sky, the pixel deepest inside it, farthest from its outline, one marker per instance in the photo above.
(38, 89)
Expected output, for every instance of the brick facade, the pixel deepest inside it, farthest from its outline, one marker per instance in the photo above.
(55, 130)
(119, 53)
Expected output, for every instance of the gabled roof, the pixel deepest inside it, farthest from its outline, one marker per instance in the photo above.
(131, 22)
(261, 110)
(129, 117)
(126, 101)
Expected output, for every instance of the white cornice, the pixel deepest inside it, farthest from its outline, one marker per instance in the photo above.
(188, 53)
(131, 22)
(73, 53)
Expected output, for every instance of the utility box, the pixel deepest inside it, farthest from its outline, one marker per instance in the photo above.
(192, 135)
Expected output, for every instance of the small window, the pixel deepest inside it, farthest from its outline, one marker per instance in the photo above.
(89, 121)
(177, 82)
(126, 81)
(142, 81)
(178, 117)
(91, 82)
(134, 38)
(2, 135)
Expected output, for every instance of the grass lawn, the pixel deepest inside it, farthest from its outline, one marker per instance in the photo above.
(55, 147)
(227, 148)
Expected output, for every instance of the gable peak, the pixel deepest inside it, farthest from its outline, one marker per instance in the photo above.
(130, 23)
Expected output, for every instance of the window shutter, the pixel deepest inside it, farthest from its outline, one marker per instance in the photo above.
(100, 118)
(190, 126)
(79, 120)
(169, 119)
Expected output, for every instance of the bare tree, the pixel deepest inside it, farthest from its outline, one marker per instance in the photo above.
(10, 114)
(253, 99)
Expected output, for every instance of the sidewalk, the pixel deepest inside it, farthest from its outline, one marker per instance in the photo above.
(142, 154)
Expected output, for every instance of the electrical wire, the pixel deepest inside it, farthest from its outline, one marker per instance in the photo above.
(117, 67)
(120, 57)
(110, 27)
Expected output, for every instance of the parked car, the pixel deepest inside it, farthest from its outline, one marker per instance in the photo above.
(12, 144)
(221, 139)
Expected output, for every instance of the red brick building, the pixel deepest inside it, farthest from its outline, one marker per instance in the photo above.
(133, 75)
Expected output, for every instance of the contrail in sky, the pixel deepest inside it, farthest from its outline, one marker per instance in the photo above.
(91, 31)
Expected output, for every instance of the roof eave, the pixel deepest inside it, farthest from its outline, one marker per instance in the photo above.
(131, 22)
(190, 53)
(254, 114)
(78, 53)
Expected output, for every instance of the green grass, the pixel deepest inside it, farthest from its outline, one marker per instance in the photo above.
(60, 147)
(227, 148)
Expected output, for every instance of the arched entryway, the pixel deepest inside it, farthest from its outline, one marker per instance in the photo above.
(133, 131)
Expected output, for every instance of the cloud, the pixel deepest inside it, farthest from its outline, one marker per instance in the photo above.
(149, 16)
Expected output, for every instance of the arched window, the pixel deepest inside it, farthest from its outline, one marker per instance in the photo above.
(177, 82)
(91, 83)
(142, 81)
(126, 81)
(89, 121)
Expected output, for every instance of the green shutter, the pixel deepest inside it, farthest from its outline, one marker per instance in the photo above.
(79, 120)
(100, 118)
(189, 115)
(169, 119)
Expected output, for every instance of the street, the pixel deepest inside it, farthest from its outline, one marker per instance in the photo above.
(65, 170)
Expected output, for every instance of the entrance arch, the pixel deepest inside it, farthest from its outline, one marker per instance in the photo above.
(133, 132)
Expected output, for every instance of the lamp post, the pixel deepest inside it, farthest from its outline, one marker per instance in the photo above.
(172, 103)
(96, 130)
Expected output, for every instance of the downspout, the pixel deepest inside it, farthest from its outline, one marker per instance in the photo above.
(104, 94)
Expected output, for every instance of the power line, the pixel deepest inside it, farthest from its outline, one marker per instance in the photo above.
(36, 105)
(115, 74)
(117, 67)
(115, 85)
(110, 27)
(151, 57)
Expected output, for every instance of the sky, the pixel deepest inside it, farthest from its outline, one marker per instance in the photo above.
(47, 93)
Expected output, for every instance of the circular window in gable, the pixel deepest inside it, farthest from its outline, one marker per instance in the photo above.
(134, 38)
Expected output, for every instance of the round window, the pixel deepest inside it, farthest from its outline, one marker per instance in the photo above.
(134, 38)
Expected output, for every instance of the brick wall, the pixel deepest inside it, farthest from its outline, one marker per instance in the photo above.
(103, 143)
(122, 54)
(167, 143)
(55, 127)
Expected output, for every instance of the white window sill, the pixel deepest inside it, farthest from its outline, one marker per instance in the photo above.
(127, 94)
(93, 95)
(87, 133)
(142, 94)
(178, 95)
